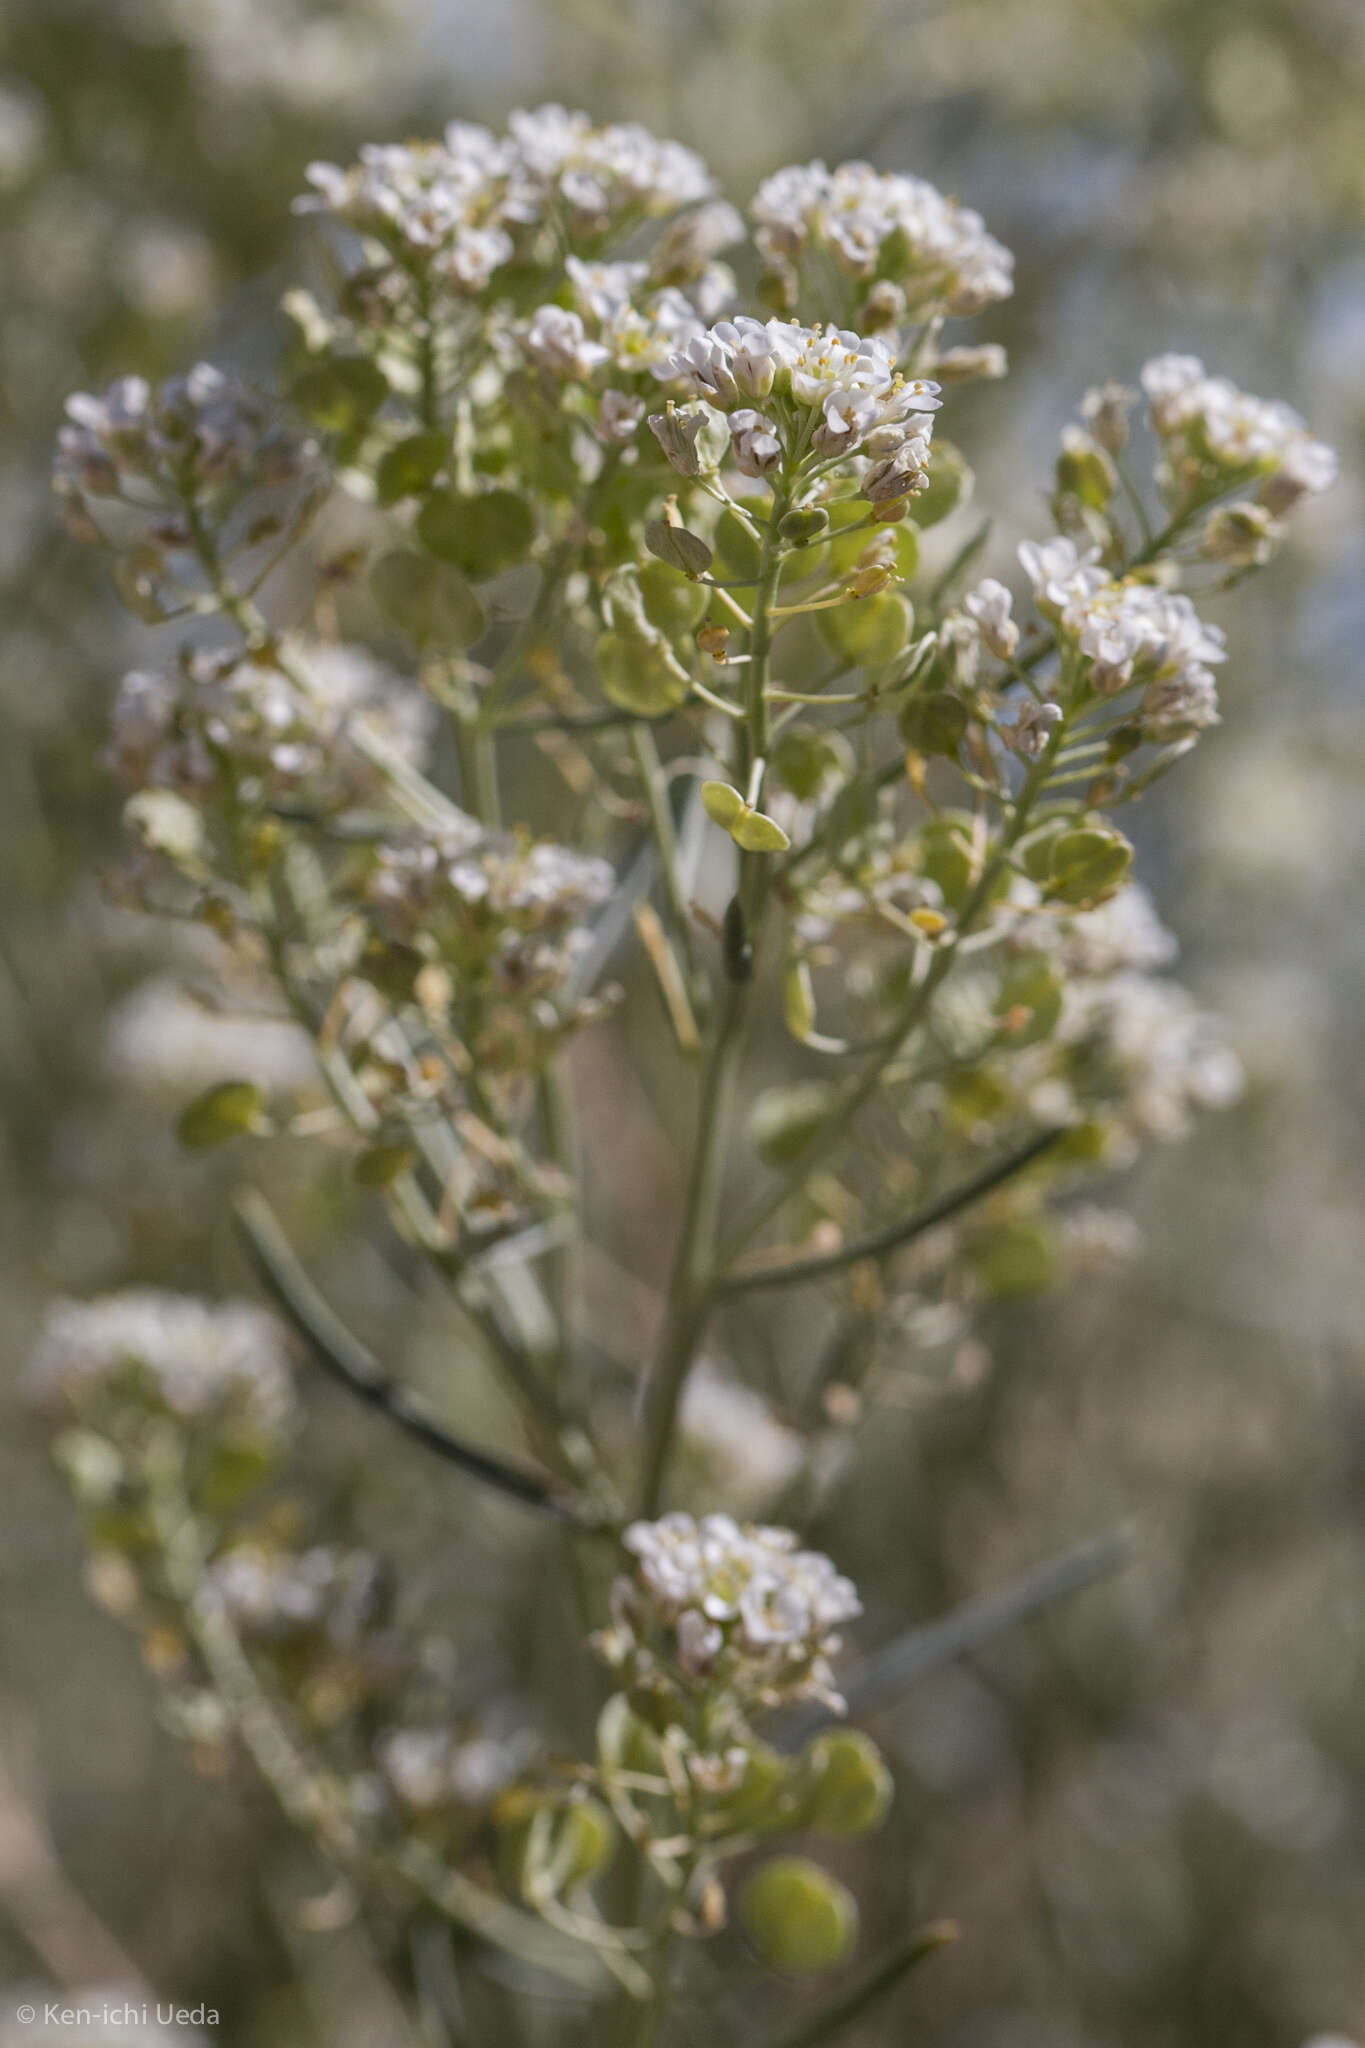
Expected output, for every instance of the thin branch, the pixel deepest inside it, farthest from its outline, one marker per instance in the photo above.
(792, 1271)
(354, 1367)
(908, 1658)
(883, 1977)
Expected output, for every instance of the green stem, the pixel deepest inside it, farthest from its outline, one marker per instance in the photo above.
(692, 1284)
(645, 749)
(476, 747)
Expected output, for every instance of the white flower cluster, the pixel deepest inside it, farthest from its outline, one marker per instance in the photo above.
(506, 916)
(1168, 1057)
(202, 1356)
(1124, 933)
(275, 725)
(433, 1767)
(865, 405)
(741, 1605)
(201, 429)
(625, 324)
(1202, 418)
(897, 229)
(281, 1593)
(1129, 632)
(459, 205)
(541, 881)
(746, 1450)
(160, 1036)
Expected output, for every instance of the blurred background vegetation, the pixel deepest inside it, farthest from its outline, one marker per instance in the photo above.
(1148, 1810)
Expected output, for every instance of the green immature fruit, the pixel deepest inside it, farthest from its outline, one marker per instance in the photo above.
(752, 830)
(670, 602)
(544, 1848)
(427, 600)
(1016, 1258)
(480, 535)
(797, 1916)
(757, 1805)
(341, 396)
(799, 529)
(677, 547)
(950, 485)
(1087, 866)
(934, 722)
(221, 1113)
(412, 466)
(867, 631)
(640, 673)
(850, 1787)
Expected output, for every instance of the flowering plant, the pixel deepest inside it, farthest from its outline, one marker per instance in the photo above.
(535, 490)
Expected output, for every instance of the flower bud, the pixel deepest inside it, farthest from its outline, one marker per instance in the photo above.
(883, 307)
(1084, 471)
(969, 365)
(1105, 409)
(802, 527)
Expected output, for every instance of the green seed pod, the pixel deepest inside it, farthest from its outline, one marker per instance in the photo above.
(756, 1805)
(585, 1842)
(545, 1846)
(934, 722)
(850, 1787)
(1088, 865)
(342, 395)
(1084, 471)
(1015, 1259)
(801, 528)
(950, 485)
(220, 1113)
(640, 673)
(678, 547)
(797, 1916)
(671, 603)
(411, 466)
(479, 535)
(867, 631)
(427, 600)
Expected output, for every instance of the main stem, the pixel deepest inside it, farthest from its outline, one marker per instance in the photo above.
(691, 1285)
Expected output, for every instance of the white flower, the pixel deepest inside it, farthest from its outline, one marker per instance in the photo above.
(1172, 384)
(1059, 574)
(870, 220)
(1238, 430)
(1169, 1054)
(159, 1036)
(602, 289)
(754, 442)
(734, 360)
(618, 417)
(201, 1355)
(990, 605)
(750, 1456)
(1128, 632)
(1033, 727)
(557, 340)
(1123, 933)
